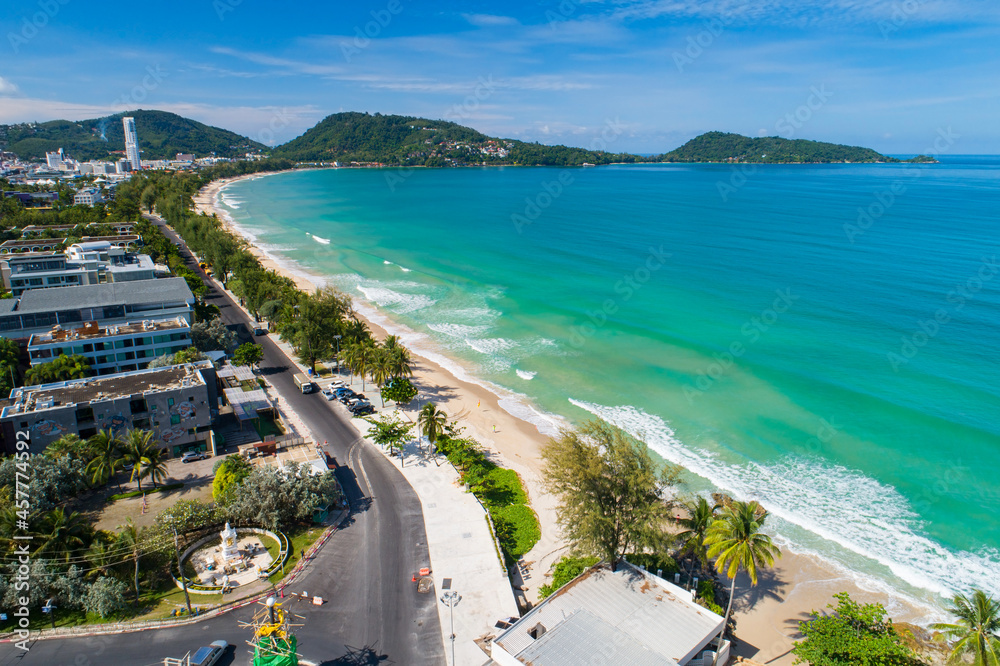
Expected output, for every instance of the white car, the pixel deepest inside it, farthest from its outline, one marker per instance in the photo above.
(208, 655)
(328, 393)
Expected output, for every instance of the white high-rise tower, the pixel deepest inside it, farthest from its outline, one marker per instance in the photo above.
(132, 144)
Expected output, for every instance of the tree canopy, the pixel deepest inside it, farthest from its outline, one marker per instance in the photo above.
(612, 495)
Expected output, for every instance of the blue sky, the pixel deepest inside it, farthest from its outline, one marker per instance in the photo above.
(640, 76)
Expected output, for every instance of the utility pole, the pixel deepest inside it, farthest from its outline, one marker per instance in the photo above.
(180, 570)
(337, 338)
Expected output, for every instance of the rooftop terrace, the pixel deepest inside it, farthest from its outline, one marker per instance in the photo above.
(91, 331)
(95, 389)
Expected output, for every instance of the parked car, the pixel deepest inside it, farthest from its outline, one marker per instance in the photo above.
(329, 393)
(191, 456)
(363, 411)
(357, 404)
(259, 330)
(210, 654)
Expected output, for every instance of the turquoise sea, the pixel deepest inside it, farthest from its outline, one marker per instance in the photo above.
(823, 338)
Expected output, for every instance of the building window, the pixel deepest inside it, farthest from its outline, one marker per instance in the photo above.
(84, 414)
(87, 433)
(138, 405)
(140, 424)
(170, 402)
(175, 419)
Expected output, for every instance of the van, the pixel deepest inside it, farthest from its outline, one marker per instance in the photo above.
(303, 382)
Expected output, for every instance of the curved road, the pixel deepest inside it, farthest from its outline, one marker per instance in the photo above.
(373, 613)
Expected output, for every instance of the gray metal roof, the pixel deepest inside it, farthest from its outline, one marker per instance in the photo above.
(638, 611)
(137, 292)
(581, 638)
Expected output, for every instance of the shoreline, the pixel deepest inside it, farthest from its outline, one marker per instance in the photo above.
(767, 615)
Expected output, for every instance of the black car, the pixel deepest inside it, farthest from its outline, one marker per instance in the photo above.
(363, 410)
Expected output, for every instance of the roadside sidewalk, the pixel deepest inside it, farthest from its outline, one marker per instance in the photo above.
(464, 556)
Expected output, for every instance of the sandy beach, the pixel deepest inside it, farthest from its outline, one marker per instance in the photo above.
(767, 615)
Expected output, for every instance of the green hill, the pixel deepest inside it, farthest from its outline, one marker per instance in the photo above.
(161, 135)
(406, 140)
(726, 147)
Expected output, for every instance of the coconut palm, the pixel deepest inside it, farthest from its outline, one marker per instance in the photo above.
(137, 446)
(736, 541)
(155, 466)
(431, 422)
(700, 514)
(62, 533)
(976, 631)
(381, 368)
(128, 539)
(107, 460)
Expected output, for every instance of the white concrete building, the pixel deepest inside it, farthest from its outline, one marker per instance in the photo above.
(115, 348)
(88, 197)
(628, 617)
(131, 143)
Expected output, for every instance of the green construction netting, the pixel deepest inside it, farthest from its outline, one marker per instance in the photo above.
(275, 652)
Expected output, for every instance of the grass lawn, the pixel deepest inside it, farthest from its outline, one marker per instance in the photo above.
(301, 538)
(265, 427)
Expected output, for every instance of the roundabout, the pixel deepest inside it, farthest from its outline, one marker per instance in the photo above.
(233, 558)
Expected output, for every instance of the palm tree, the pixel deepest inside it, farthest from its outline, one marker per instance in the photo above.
(736, 541)
(107, 460)
(692, 538)
(354, 358)
(381, 368)
(128, 537)
(431, 422)
(975, 632)
(62, 533)
(137, 447)
(156, 465)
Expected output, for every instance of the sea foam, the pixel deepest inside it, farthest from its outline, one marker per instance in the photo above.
(841, 505)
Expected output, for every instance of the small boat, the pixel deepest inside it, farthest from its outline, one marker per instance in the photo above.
(586, 164)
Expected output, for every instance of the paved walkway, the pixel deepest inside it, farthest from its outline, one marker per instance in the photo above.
(463, 554)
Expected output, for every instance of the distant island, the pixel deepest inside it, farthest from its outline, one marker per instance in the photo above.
(726, 147)
(362, 139)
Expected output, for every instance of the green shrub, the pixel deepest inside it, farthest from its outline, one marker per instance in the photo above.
(706, 597)
(517, 530)
(566, 570)
(654, 562)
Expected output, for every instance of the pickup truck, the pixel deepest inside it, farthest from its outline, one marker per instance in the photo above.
(303, 382)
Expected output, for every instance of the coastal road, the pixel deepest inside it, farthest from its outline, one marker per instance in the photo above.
(373, 613)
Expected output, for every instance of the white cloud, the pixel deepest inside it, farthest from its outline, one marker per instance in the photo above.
(6, 87)
(489, 20)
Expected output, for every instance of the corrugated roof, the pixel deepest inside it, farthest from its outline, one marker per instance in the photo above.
(583, 636)
(636, 608)
(137, 292)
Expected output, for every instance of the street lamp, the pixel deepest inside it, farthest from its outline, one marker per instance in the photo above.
(451, 597)
(337, 338)
(270, 609)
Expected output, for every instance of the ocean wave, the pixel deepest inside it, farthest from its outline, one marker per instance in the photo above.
(843, 506)
(525, 374)
(396, 301)
(490, 346)
(324, 241)
(460, 331)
